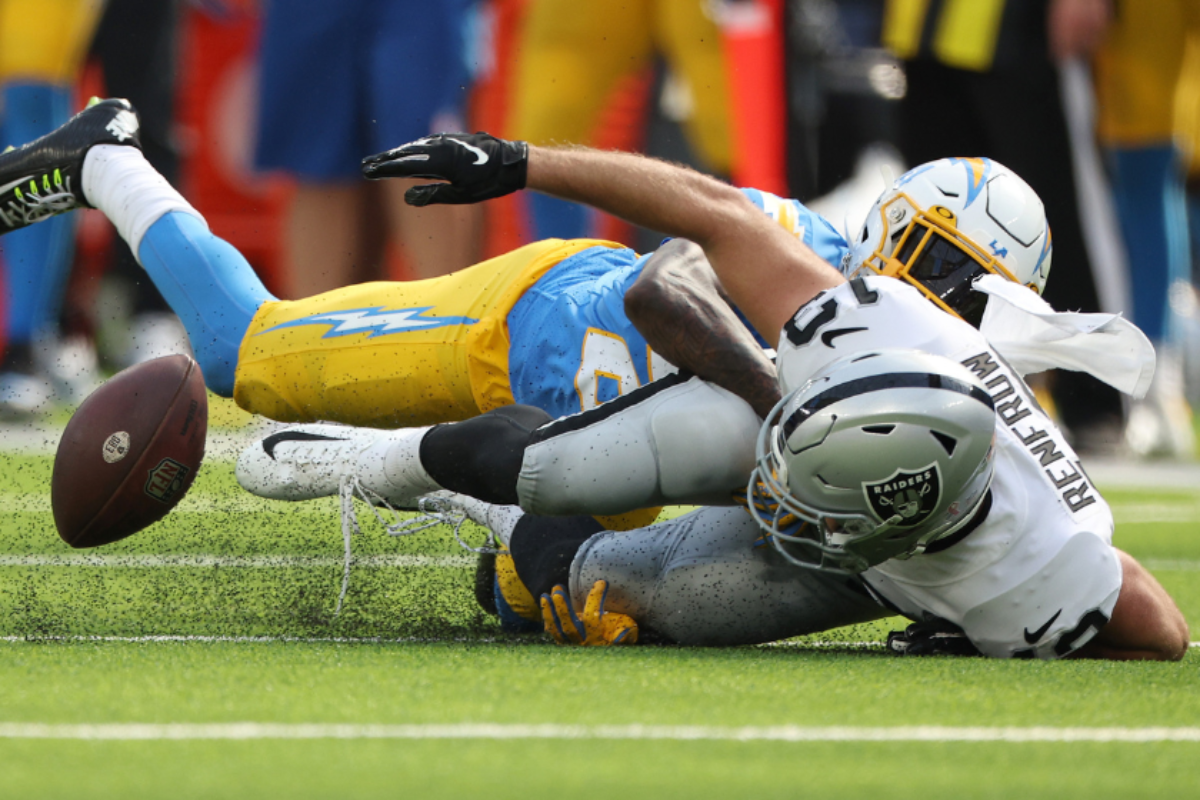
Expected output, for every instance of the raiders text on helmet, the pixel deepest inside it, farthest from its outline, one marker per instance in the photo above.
(945, 223)
(877, 457)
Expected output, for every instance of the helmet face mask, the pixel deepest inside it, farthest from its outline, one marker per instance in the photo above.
(946, 223)
(876, 458)
(932, 256)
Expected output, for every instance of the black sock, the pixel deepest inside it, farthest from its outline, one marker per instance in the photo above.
(543, 548)
(481, 457)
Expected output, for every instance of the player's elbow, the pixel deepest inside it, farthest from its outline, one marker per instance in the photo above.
(1146, 624)
(1165, 635)
(1177, 641)
(675, 270)
(1167, 641)
(642, 299)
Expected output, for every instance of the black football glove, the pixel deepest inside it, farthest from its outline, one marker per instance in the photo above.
(932, 637)
(476, 166)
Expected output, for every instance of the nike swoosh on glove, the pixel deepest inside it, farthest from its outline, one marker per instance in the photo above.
(931, 637)
(475, 166)
(594, 627)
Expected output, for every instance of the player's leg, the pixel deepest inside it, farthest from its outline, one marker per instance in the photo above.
(392, 354)
(480, 459)
(205, 280)
(705, 578)
(317, 144)
(36, 260)
(42, 45)
(1151, 206)
(383, 354)
(94, 160)
(691, 40)
(415, 86)
(570, 57)
(677, 440)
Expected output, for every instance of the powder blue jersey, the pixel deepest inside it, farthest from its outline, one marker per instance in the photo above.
(571, 345)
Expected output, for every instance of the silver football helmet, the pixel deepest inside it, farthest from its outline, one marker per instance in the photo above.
(943, 224)
(877, 457)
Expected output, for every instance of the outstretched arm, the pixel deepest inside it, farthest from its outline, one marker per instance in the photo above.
(1146, 624)
(681, 308)
(767, 272)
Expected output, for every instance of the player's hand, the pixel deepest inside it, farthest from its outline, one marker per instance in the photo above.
(759, 503)
(594, 627)
(932, 637)
(475, 166)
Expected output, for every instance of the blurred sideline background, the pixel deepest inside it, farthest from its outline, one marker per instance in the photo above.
(813, 99)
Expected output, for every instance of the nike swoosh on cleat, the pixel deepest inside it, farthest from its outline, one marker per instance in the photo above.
(828, 336)
(482, 156)
(271, 442)
(15, 183)
(1032, 638)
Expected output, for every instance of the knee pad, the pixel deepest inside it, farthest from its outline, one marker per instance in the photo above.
(677, 441)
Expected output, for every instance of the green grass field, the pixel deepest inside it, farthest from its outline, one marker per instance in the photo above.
(202, 658)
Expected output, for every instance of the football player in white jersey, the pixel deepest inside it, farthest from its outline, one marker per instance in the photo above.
(907, 468)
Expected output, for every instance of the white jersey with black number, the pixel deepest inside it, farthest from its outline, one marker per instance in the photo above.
(1039, 576)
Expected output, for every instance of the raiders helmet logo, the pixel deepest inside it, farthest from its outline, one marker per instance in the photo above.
(912, 495)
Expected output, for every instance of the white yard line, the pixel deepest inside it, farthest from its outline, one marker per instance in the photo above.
(242, 562)
(201, 561)
(167, 638)
(234, 500)
(505, 732)
(1135, 513)
(222, 444)
(238, 501)
(175, 638)
(1181, 564)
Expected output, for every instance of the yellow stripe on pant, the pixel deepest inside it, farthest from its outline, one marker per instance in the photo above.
(964, 35)
(299, 363)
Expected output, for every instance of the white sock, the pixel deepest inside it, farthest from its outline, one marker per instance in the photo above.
(119, 181)
(501, 520)
(393, 462)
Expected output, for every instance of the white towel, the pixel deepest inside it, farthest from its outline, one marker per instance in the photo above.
(1033, 337)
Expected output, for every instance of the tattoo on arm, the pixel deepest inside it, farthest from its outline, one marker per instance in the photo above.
(680, 307)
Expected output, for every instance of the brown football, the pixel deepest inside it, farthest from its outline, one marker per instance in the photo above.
(130, 452)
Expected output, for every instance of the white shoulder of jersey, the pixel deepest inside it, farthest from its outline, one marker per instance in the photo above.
(867, 313)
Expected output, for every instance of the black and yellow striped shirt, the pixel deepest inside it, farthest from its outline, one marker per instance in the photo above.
(977, 35)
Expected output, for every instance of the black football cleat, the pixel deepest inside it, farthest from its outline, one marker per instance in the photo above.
(43, 177)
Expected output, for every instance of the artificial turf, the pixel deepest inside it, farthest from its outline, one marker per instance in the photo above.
(83, 646)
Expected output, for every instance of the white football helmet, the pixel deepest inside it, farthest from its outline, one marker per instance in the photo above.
(945, 223)
(877, 457)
